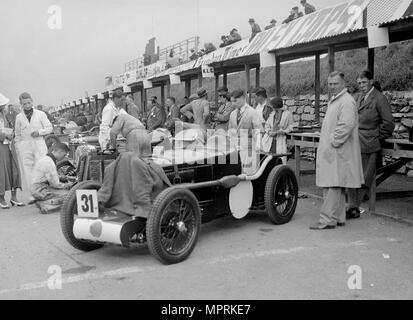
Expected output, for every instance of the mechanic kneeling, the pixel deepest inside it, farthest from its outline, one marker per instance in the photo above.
(133, 181)
(46, 186)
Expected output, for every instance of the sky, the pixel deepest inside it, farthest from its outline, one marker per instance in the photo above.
(99, 36)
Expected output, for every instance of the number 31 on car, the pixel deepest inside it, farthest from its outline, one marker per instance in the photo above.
(87, 203)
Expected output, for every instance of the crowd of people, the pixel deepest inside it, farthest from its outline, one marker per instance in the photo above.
(295, 13)
(347, 157)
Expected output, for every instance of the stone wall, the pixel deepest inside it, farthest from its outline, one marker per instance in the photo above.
(303, 111)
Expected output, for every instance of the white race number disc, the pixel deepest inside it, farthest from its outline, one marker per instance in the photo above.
(240, 199)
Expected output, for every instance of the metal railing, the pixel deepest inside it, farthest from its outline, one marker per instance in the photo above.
(175, 54)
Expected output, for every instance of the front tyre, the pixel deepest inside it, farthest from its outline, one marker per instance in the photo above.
(173, 225)
(281, 194)
(69, 213)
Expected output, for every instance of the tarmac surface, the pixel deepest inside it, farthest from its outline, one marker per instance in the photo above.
(369, 258)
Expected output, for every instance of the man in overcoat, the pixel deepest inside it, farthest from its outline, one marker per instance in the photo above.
(338, 163)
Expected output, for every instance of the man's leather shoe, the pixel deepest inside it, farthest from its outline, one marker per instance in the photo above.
(353, 213)
(321, 226)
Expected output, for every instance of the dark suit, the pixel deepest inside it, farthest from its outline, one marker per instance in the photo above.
(376, 123)
(156, 118)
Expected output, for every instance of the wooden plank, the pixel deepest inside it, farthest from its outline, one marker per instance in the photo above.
(398, 153)
(144, 106)
(399, 141)
(297, 155)
(168, 88)
(305, 144)
(370, 60)
(331, 58)
(394, 194)
(317, 86)
(277, 76)
(188, 88)
(200, 80)
(216, 89)
(163, 94)
(385, 172)
(257, 77)
(248, 81)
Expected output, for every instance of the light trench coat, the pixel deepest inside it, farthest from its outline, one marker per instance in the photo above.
(245, 136)
(338, 154)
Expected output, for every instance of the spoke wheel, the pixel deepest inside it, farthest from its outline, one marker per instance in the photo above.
(173, 225)
(281, 194)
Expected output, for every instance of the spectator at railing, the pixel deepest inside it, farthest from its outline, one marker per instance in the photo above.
(225, 41)
(193, 55)
(255, 28)
(146, 59)
(234, 36)
(294, 14)
(308, 8)
(209, 47)
(272, 24)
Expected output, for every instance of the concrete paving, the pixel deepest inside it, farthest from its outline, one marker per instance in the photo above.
(233, 259)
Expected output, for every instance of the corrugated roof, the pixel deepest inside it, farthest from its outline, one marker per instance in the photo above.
(383, 24)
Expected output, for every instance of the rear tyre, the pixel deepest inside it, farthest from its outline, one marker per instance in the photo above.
(69, 212)
(173, 225)
(281, 194)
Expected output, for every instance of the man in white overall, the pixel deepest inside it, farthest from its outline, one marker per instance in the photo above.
(31, 127)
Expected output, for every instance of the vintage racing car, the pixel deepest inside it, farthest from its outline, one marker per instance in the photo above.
(206, 184)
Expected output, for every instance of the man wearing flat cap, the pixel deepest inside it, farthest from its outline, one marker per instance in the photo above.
(225, 40)
(308, 8)
(294, 14)
(199, 109)
(244, 130)
(255, 28)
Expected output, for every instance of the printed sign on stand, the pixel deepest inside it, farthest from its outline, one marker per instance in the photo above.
(147, 84)
(174, 79)
(378, 37)
(267, 59)
(207, 71)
